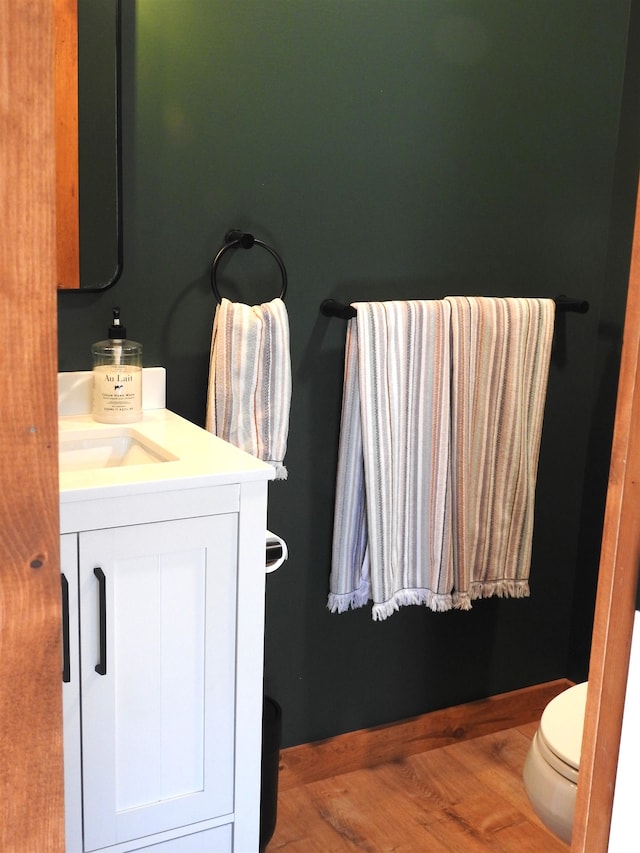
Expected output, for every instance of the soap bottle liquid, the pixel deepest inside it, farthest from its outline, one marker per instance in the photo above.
(117, 376)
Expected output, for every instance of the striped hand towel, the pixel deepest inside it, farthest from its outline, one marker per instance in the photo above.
(250, 379)
(500, 352)
(391, 530)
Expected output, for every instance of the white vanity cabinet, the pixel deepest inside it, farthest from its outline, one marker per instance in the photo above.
(163, 587)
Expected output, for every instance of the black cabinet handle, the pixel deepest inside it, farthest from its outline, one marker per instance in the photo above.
(66, 662)
(101, 666)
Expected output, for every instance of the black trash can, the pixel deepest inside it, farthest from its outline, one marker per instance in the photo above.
(271, 739)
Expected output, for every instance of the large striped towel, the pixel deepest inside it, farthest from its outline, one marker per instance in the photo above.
(500, 352)
(250, 379)
(391, 528)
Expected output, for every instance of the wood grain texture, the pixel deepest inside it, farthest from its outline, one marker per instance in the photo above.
(66, 105)
(31, 779)
(615, 599)
(369, 747)
(464, 798)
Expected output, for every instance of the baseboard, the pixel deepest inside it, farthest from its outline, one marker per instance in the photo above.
(311, 762)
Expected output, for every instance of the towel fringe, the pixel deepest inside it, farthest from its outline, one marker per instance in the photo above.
(438, 602)
(461, 601)
(504, 588)
(281, 471)
(340, 603)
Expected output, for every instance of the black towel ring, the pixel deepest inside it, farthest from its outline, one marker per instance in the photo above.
(236, 239)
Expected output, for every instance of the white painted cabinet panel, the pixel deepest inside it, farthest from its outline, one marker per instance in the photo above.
(162, 682)
(158, 677)
(218, 840)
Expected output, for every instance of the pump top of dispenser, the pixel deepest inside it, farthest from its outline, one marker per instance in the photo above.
(117, 339)
(116, 330)
(116, 349)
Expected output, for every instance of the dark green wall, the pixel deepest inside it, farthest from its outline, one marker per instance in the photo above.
(387, 149)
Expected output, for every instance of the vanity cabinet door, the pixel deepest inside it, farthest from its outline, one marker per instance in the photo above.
(158, 624)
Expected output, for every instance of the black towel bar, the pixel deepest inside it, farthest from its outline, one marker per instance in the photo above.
(333, 308)
(236, 239)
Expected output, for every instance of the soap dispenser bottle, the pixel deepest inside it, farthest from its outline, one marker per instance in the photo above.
(117, 376)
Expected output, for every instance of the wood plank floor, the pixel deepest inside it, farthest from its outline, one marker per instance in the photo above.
(462, 798)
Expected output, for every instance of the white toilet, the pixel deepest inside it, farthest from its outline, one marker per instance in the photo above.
(551, 768)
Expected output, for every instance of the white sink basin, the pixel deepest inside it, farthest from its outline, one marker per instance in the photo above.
(109, 448)
(122, 460)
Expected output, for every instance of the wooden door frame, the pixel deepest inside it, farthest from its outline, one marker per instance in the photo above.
(616, 595)
(31, 775)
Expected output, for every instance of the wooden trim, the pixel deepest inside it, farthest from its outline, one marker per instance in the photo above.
(311, 762)
(66, 100)
(31, 766)
(615, 600)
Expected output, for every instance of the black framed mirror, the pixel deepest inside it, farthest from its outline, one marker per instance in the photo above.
(99, 143)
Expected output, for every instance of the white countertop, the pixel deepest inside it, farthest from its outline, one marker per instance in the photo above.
(201, 459)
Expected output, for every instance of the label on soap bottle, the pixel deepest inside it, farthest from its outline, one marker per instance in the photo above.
(117, 394)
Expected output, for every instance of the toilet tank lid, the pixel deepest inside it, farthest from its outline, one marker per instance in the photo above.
(562, 723)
